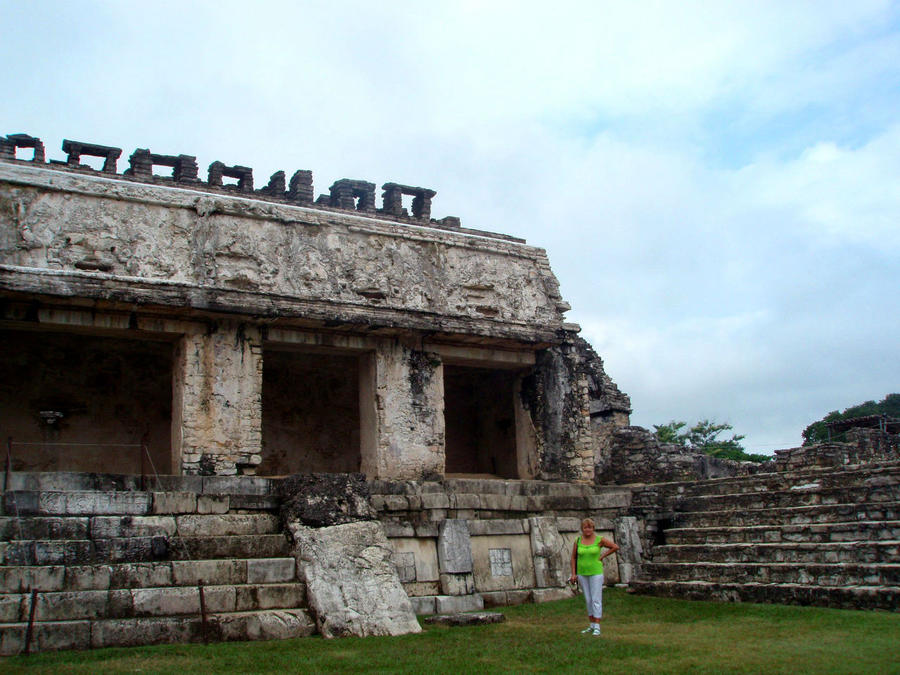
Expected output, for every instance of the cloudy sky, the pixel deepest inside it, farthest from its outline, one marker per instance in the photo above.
(717, 184)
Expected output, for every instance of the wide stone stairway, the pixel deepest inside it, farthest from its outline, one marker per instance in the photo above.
(827, 537)
(96, 561)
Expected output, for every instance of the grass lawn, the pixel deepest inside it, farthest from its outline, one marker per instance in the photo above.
(640, 635)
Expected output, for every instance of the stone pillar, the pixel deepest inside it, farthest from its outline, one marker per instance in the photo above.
(217, 404)
(630, 555)
(455, 558)
(403, 423)
(551, 555)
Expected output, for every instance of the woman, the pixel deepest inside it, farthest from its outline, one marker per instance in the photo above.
(587, 566)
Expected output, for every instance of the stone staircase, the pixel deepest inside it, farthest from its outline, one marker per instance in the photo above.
(828, 537)
(116, 565)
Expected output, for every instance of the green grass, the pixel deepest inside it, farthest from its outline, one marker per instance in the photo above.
(640, 635)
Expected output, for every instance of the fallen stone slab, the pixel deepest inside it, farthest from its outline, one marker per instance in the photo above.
(469, 619)
(352, 584)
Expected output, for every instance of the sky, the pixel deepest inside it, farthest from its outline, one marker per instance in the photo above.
(717, 184)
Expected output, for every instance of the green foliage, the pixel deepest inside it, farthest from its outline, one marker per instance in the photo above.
(817, 432)
(704, 436)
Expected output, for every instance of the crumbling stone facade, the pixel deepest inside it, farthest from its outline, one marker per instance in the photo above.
(411, 318)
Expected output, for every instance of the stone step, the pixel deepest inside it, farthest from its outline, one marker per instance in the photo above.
(237, 546)
(106, 527)
(863, 475)
(142, 602)
(807, 496)
(21, 579)
(797, 515)
(857, 552)
(280, 624)
(841, 574)
(826, 532)
(844, 597)
(779, 480)
(140, 549)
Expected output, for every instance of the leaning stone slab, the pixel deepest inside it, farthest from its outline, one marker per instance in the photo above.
(466, 619)
(352, 583)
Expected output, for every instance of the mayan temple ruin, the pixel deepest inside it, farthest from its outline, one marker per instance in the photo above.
(233, 412)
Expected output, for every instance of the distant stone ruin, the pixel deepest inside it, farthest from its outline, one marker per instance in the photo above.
(207, 388)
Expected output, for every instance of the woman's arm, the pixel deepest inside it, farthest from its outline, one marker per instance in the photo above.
(611, 547)
(574, 557)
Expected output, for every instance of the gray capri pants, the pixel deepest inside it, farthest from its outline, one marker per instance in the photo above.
(592, 587)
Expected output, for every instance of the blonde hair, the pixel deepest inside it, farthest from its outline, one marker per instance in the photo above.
(588, 521)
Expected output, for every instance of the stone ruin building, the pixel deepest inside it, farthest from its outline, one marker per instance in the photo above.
(234, 413)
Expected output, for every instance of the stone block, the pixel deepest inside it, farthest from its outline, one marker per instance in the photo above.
(194, 572)
(496, 502)
(46, 637)
(14, 607)
(551, 594)
(478, 528)
(519, 597)
(454, 547)
(427, 529)
(23, 579)
(423, 604)
(282, 624)
(71, 605)
(465, 501)
(174, 502)
(212, 503)
(435, 500)
(452, 604)
(105, 527)
(269, 596)
(144, 631)
(494, 599)
(394, 529)
(237, 485)
(457, 584)
(106, 503)
(227, 524)
(166, 601)
(86, 578)
(271, 570)
(221, 598)
(120, 604)
(467, 619)
(140, 575)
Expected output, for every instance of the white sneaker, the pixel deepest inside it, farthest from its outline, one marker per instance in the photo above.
(596, 632)
(589, 629)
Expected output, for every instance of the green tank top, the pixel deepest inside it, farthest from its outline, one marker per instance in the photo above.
(587, 562)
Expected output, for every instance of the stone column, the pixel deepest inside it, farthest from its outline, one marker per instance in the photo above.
(217, 400)
(403, 436)
(455, 558)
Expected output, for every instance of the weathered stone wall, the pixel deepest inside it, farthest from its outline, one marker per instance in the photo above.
(635, 455)
(570, 398)
(862, 446)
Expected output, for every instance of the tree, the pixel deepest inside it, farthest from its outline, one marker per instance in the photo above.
(704, 436)
(817, 432)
